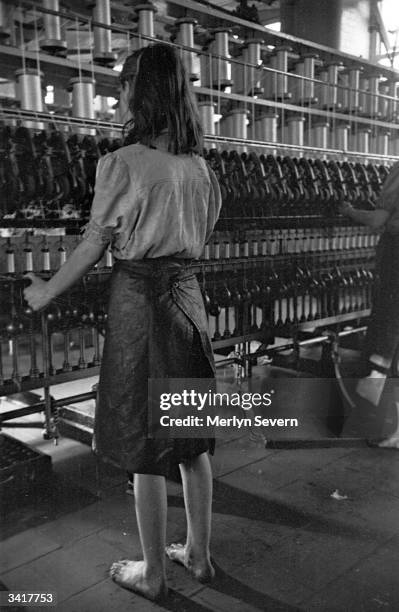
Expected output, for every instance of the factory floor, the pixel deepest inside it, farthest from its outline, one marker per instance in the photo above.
(293, 529)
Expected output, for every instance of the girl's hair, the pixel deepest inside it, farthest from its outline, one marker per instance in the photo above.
(161, 100)
(129, 68)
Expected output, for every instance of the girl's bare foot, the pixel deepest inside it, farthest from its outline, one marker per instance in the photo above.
(202, 570)
(392, 442)
(132, 575)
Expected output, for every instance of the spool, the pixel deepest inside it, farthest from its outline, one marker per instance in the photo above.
(333, 71)
(185, 36)
(29, 82)
(343, 91)
(266, 127)
(207, 116)
(239, 123)
(5, 31)
(322, 87)
(279, 61)
(234, 125)
(30, 89)
(296, 83)
(353, 84)
(221, 67)
(252, 55)
(53, 42)
(320, 135)
(363, 93)
(296, 130)
(341, 138)
(145, 15)
(382, 142)
(309, 73)
(363, 140)
(372, 107)
(83, 101)
(102, 53)
(305, 86)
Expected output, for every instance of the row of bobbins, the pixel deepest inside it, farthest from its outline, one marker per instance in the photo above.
(292, 241)
(41, 255)
(82, 88)
(266, 128)
(30, 93)
(330, 84)
(54, 42)
(233, 124)
(218, 73)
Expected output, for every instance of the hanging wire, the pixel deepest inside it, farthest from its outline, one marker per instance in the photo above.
(37, 53)
(78, 47)
(245, 84)
(253, 110)
(91, 39)
(21, 34)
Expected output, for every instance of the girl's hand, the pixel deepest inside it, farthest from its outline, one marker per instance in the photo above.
(37, 294)
(345, 208)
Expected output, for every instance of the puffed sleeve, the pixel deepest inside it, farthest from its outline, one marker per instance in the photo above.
(215, 203)
(112, 183)
(389, 197)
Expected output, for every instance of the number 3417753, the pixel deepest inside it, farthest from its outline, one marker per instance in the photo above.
(11, 598)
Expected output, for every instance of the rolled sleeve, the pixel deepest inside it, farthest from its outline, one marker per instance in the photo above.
(106, 217)
(96, 234)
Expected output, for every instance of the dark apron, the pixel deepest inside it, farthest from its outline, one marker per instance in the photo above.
(156, 328)
(383, 331)
(366, 420)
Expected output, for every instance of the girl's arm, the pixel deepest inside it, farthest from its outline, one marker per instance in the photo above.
(41, 292)
(372, 218)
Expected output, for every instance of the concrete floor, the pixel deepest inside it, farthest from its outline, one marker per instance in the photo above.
(280, 540)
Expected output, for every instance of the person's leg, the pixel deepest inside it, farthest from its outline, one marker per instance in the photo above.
(197, 489)
(371, 388)
(147, 577)
(393, 439)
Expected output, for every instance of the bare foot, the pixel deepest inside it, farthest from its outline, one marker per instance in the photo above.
(201, 570)
(131, 575)
(392, 442)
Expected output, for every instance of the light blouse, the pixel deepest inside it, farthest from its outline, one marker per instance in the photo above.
(151, 203)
